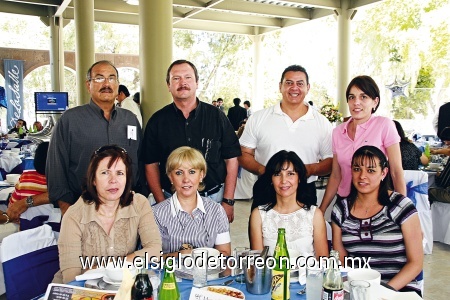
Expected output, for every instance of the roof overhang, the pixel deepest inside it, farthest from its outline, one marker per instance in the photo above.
(247, 17)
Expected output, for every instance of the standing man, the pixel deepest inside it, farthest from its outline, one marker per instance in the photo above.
(214, 103)
(189, 122)
(128, 103)
(442, 119)
(220, 104)
(247, 107)
(83, 129)
(236, 114)
(289, 125)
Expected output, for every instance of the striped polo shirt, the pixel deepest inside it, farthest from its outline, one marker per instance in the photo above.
(207, 226)
(30, 183)
(378, 237)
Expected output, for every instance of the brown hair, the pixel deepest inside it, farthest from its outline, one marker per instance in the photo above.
(113, 152)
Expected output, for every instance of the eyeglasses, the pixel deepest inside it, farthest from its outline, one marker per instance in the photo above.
(110, 147)
(102, 79)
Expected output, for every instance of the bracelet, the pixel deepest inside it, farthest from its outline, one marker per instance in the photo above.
(7, 218)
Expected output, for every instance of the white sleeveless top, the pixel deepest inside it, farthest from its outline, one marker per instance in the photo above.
(299, 230)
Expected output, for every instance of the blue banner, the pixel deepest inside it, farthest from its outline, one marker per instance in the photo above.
(14, 90)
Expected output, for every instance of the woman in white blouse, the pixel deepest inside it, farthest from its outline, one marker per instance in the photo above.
(290, 207)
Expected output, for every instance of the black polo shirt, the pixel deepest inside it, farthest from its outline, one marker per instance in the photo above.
(206, 129)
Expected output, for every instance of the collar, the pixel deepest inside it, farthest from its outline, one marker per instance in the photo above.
(99, 111)
(193, 113)
(308, 116)
(364, 125)
(89, 213)
(177, 206)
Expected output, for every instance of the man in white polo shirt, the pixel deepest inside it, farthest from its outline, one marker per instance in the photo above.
(289, 125)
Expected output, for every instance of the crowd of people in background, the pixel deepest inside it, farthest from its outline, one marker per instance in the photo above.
(187, 159)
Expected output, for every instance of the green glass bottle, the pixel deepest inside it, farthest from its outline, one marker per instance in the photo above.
(281, 273)
(427, 151)
(169, 288)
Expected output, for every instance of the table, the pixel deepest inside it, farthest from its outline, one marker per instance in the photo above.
(185, 287)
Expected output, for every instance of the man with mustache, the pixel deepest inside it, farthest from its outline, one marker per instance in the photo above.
(190, 122)
(83, 129)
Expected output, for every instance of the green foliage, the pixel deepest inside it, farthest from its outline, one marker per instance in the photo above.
(223, 63)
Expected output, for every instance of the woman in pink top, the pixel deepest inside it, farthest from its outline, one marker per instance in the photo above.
(363, 128)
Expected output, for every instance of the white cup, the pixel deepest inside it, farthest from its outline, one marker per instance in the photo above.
(12, 178)
(371, 276)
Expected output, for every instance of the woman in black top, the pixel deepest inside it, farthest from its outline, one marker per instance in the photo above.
(411, 155)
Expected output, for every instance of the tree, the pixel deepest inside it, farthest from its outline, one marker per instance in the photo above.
(222, 60)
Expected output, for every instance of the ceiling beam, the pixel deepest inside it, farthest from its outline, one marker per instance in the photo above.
(23, 9)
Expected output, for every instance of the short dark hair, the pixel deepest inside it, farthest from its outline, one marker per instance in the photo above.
(180, 62)
(367, 85)
(370, 153)
(295, 68)
(124, 90)
(246, 102)
(275, 165)
(40, 157)
(219, 99)
(88, 74)
(137, 97)
(236, 101)
(23, 122)
(113, 152)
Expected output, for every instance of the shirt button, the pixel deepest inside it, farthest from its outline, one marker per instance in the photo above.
(189, 139)
(187, 123)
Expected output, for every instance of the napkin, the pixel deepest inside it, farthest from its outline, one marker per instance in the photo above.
(302, 276)
(9, 162)
(91, 274)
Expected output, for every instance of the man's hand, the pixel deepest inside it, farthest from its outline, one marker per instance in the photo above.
(16, 209)
(230, 211)
(63, 206)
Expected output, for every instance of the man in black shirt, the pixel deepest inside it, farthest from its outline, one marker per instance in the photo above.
(236, 114)
(190, 122)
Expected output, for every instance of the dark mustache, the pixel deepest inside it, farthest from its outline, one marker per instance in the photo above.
(106, 89)
(183, 88)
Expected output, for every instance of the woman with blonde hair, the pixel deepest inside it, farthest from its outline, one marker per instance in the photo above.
(186, 220)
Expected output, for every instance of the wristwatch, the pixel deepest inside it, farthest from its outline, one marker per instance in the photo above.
(228, 201)
(30, 201)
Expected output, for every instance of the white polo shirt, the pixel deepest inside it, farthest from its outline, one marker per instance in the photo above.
(271, 130)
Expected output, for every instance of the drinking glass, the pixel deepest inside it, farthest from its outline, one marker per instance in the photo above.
(239, 271)
(200, 267)
(359, 290)
(314, 282)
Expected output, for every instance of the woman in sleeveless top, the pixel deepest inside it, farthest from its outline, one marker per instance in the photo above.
(290, 207)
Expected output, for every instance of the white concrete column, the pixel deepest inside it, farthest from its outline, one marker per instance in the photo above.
(257, 91)
(155, 34)
(84, 44)
(56, 53)
(343, 63)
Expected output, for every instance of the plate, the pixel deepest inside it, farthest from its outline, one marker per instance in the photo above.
(110, 281)
(225, 290)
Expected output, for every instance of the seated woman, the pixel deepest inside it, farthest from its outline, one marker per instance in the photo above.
(19, 124)
(290, 207)
(186, 220)
(412, 157)
(30, 191)
(108, 218)
(373, 221)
